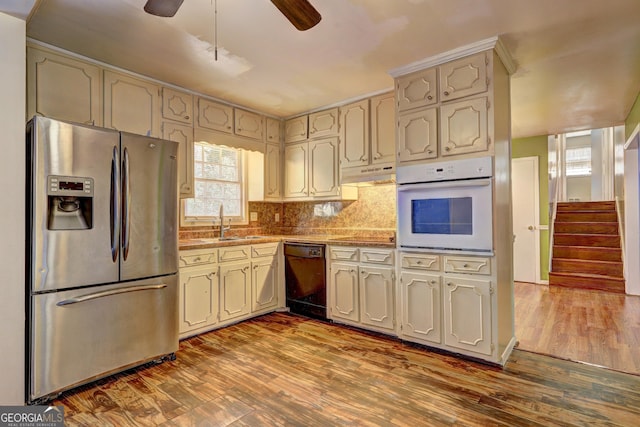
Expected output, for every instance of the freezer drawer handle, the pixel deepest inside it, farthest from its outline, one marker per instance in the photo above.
(102, 294)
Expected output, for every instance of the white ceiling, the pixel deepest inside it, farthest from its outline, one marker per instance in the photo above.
(578, 60)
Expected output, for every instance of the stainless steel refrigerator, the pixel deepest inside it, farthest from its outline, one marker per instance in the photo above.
(102, 253)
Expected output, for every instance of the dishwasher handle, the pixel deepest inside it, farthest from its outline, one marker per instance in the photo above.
(303, 250)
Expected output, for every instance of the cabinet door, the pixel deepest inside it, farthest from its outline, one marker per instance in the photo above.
(177, 105)
(376, 297)
(323, 168)
(183, 135)
(295, 130)
(272, 172)
(463, 127)
(264, 280)
(464, 77)
(421, 302)
(296, 170)
(248, 124)
(215, 116)
(383, 130)
(131, 105)
(417, 90)
(273, 130)
(198, 298)
(418, 135)
(323, 123)
(343, 280)
(355, 134)
(467, 314)
(63, 88)
(235, 289)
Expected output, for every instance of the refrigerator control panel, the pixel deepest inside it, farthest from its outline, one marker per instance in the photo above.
(69, 186)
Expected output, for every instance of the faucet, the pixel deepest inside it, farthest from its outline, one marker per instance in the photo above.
(222, 227)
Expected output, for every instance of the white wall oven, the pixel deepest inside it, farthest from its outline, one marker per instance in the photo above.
(446, 206)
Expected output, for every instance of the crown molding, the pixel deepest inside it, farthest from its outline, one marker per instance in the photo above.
(457, 53)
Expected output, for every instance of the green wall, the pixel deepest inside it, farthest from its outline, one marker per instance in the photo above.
(632, 119)
(536, 146)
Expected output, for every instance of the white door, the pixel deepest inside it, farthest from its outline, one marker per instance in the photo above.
(526, 217)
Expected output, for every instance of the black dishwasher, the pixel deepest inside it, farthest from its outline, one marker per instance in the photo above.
(305, 279)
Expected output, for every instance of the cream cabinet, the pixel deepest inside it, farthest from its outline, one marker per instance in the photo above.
(177, 106)
(198, 293)
(467, 314)
(356, 143)
(131, 105)
(248, 124)
(418, 135)
(464, 77)
(215, 116)
(383, 130)
(272, 172)
(464, 127)
(362, 287)
(273, 130)
(296, 170)
(264, 277)
(183, 135)
(421, 302)
(63, 88)
(235, 289)
(296, 129)
(417, 90)
(323, 123)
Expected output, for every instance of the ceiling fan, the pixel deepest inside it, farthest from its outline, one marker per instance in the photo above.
(299, 12)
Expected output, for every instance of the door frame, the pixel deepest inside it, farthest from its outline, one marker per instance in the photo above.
(536, 218)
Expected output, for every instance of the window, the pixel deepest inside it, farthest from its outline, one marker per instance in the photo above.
(578, 161)
(219, 180)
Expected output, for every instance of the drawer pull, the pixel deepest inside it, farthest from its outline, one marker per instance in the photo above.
(418, 262)
(465, 265)
(196, 259)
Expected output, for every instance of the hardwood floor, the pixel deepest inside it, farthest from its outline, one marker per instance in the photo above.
(283, 369)
(601, 328)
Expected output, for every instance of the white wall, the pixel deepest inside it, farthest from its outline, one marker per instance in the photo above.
(12, 223)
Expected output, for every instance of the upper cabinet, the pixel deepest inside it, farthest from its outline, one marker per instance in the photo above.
(183, 135)
(295, 130)
(383, 131)
(215, 116)
(274, 130)
(323, 123)
(272, 172)
(248, 124)
(177, 105)
(63, 88)
(464, 77)
(417, 90)
(131, 105)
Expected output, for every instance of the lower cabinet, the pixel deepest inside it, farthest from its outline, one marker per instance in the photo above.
(362, 288)
(226, 285)
(421, 296)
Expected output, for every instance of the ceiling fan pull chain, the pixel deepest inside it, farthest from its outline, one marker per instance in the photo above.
(215, 30)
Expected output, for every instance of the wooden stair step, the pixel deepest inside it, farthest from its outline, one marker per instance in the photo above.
(586, 227)
(588, 252)
(593, 240)
(604, 268)
(589, 216)
(587, 281)
(586, 206)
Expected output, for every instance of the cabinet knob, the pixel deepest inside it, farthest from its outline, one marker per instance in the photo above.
(363, 272)
(186, 117)
(433, 282)
(429, 97)
(449, 284)
(418, 262)
(270, 137)
(429, 151)
(446, 93)
(246, 268)
(352, 271)
(228, 127)
(239, 130)
(465, 265)
(447, 148)
(196, 259)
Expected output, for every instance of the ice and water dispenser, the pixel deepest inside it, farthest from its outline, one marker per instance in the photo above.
(70, 204)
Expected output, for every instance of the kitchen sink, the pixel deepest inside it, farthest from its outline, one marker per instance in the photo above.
(222, 239)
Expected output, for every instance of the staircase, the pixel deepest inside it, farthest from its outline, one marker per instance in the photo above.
(586, 247)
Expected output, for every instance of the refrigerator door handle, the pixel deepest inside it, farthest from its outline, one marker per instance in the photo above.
(126, 199)
(103, 294)
(115, 203)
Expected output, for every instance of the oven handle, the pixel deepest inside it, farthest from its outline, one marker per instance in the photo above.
(446, 184)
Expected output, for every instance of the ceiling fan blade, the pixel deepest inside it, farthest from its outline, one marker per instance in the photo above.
(164, 8)
(299, 12)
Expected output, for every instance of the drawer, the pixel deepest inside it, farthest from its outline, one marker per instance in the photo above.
(420, 261)
(267, 249)
(344, 253)
(234, 253)
(197, 257)
(377, 256)
(474, 265)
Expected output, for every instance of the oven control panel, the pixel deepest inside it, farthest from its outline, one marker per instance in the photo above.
(479, 167)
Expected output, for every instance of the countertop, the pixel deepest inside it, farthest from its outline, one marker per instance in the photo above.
(206, 243)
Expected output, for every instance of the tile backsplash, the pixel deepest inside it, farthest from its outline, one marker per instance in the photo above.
(373, 214)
